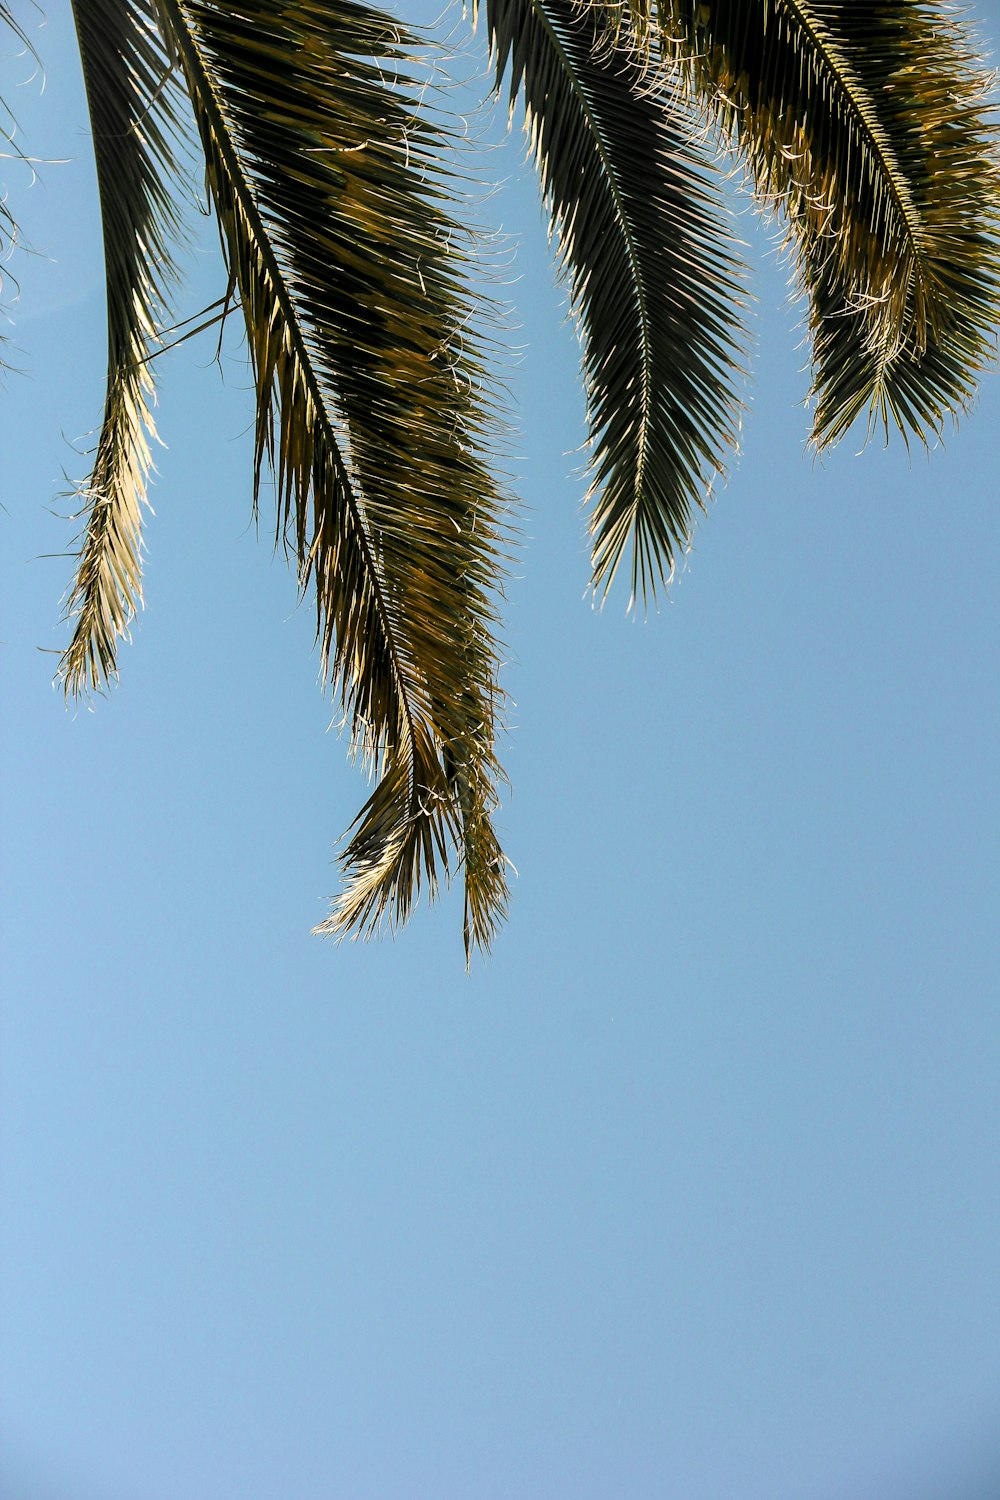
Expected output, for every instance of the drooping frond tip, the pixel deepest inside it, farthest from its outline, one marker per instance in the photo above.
(133, 99)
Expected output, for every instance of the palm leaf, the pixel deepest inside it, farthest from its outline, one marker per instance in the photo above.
(654, 280)
(333, 210)
(868, 123)
(133, 110)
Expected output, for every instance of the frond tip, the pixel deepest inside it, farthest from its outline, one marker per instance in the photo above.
(133, 101)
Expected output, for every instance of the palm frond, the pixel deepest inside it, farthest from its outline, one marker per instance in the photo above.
(133, 99)
(654, 279)
(869, 124)
(333, 209)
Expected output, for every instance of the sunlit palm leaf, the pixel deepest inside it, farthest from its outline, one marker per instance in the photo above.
(132, 98)
(868, 123)
(655, 284)
(333, 210)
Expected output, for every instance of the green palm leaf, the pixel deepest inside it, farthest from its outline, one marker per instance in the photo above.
(333, 209)
(133, 101)
(654, 280)
(868, 123)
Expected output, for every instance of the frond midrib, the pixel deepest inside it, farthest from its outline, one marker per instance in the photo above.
(248, 204)
(627, 234)
(853, 92)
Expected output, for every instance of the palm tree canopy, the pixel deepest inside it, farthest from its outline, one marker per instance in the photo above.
(866, 126)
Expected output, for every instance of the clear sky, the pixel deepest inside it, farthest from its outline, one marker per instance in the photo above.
(692, 1190)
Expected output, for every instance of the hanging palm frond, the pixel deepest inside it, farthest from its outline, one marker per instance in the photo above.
(868, 124)
(332, 205)
(654, 277)
(133, 100)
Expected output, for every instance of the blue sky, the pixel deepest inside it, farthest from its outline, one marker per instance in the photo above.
(693, 1188)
